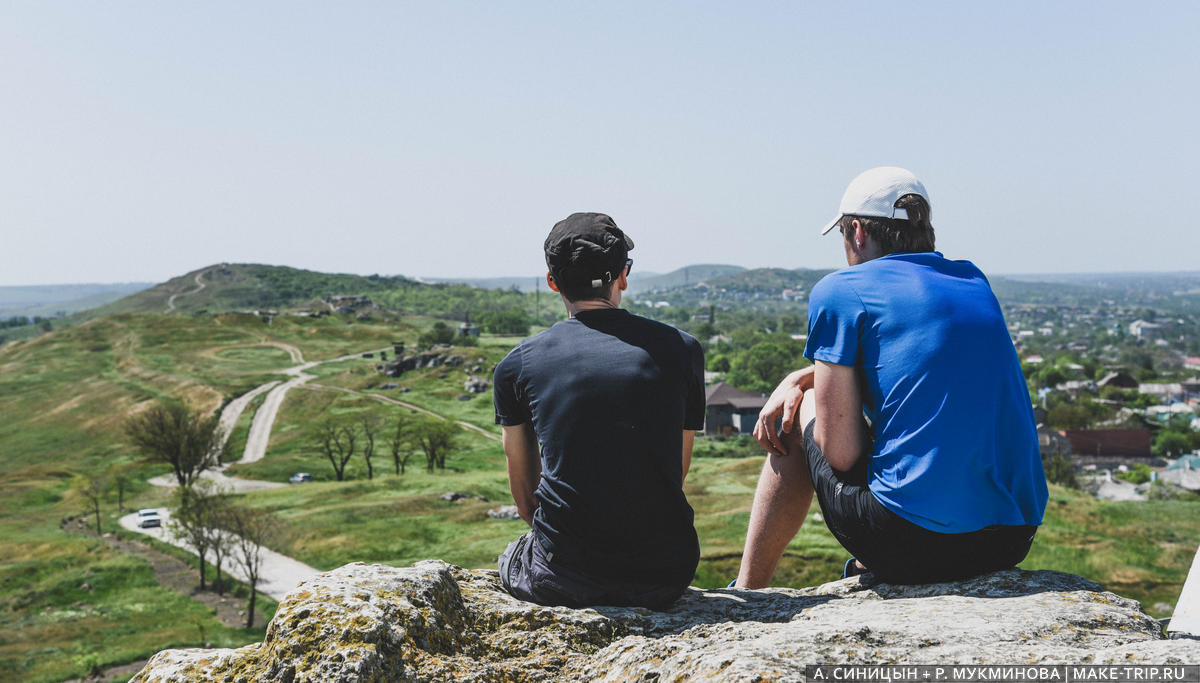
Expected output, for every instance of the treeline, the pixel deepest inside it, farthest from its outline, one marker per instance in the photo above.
(368, 437)
(22, 321)
(752, 350)
(496, 311)
(202, 514)
(207, 518)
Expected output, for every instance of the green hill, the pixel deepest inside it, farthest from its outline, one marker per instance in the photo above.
(240, 286)
(682, 277)
(255, 287)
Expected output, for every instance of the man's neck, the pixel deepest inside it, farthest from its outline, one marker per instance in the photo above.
(574, 307)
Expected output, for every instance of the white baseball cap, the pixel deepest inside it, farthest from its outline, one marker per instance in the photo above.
(875, 192)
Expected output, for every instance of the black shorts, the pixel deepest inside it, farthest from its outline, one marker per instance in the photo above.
(527, 573)
(894, 549)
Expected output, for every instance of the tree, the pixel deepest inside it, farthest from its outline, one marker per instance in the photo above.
(1068, 416)
(402, 445)
(508, 321)
(436, 439)
(369, 429)
(92, 489)
(440, 333)
(174, 435)
(252, 531)
(196, 518)
(1060, 470)
(219, 540)
(337, 442)
(1171, 444)
(121, 480)
(763, 366)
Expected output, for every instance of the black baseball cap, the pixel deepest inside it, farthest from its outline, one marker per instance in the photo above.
(586, 249)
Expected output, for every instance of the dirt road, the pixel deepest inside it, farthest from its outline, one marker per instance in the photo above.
(279, 573)
(388, 399)
(201, 285)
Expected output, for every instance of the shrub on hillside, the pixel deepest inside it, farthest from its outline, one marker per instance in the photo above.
(1060, 470)
(1138, 474)
(440, 333)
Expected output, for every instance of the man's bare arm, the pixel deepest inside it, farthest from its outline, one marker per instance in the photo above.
(783, 404)
(689, 439)
(524, 467)
(839, 423)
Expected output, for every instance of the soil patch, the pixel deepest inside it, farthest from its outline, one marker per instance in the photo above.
(175, 574)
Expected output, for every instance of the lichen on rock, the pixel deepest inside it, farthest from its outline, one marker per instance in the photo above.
(435, 621)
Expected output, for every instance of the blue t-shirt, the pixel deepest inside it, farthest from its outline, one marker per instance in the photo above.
(955, 444)
(609, 394)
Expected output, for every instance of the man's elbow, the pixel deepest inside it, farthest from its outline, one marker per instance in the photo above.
(840, 456)
(525, 512)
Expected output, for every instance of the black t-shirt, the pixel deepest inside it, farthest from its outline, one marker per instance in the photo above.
(609, 395)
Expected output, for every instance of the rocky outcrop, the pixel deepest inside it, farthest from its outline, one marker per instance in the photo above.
(434, 358)
(476, 385)
(435, 621)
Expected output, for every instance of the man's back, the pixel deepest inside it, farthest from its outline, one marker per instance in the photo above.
(609, 395)
(942, 388)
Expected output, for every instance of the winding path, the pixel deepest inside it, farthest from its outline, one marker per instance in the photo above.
(388, 399)
(171, 299)
(280, 573)
(260, 427)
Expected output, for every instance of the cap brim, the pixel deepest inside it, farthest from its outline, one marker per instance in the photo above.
(832, 224)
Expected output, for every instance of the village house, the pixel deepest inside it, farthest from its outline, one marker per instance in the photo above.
(731, 410)
(1120, 380)
(1166, 392)
(1076, 387)
(1145, 330)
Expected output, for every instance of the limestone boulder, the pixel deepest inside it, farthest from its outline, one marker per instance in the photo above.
(434, 621)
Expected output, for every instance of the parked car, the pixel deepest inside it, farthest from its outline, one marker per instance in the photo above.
(148, 517)
(300, 478)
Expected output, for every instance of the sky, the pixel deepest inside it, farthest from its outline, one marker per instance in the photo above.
(143, 140)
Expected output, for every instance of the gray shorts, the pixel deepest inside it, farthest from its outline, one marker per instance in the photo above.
(526, 573)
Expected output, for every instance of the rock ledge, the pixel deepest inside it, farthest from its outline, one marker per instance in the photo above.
(435, 621)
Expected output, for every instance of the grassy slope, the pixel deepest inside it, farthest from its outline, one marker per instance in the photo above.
(65, 395)
(245, 286)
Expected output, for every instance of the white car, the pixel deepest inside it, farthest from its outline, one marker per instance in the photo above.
(148, 517)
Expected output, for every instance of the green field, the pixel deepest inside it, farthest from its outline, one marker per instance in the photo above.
(65, 395)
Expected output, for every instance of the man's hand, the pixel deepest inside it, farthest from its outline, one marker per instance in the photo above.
(783, 403)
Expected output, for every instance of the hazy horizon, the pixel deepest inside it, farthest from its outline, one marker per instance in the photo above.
(539, 276)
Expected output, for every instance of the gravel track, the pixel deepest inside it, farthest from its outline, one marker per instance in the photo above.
(201, 285)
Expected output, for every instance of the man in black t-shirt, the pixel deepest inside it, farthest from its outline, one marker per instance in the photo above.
(613, 400)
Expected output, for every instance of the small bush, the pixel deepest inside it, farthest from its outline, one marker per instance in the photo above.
(1139, 474)
(1060, 470)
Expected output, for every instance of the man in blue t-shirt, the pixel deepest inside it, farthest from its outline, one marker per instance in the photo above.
(916, 431)
(599, 413)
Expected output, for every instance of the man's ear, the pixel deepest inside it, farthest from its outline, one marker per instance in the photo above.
(860, 235)
(622, 283)
(550, 282)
